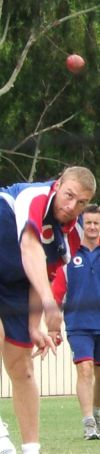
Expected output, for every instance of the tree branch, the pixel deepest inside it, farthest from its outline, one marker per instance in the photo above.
(1, 6)
(2, 40)
(31, 136)
(33, 167)
(37, 151)
(16, 71)
(45, 158)
(33, 39)
(50, 104)
(15, 166)
(57, 125)
(58, 22)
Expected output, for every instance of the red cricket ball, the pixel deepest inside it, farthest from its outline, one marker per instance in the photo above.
(58, 339)
(75, 63)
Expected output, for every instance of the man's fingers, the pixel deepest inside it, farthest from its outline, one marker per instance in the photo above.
(47, 343)
(44, 352)
(51, 344)
(41, 352)
(38, 338)
(37, 353)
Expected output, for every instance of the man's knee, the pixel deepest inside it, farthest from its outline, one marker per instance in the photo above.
(85, 369)
(23, 370)
(19, 364)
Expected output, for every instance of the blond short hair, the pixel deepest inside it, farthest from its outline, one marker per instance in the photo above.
(83, 175)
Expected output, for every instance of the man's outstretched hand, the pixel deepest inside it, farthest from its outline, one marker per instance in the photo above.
(46, 341)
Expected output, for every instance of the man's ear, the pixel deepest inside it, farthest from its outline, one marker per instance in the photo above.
(57, 184)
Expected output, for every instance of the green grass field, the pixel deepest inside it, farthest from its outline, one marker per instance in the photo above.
(61, 429)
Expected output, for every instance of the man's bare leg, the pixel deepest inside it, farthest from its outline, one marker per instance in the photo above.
(85, 389)
(85, 374)
(19, 365)
(96, 402)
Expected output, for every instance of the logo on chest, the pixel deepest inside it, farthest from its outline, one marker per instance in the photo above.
(47, 235)
(77, 261)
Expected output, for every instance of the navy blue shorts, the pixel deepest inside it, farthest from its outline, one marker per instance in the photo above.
(14, 312)
(85, 346)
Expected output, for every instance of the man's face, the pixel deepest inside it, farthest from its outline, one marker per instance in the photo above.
(70, 200)
(91, 225)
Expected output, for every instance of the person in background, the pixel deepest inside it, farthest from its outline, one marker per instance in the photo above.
(78, 286)
(39, 231)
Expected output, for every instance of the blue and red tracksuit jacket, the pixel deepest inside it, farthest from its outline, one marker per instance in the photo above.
(31, 204)
(77, 286)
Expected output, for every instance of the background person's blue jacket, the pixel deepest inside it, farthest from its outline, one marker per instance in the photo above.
(78, 286)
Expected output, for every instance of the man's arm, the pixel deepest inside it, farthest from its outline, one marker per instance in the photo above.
(41, 339)
(34, 263)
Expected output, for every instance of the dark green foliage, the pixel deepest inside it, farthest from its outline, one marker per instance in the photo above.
(34, 95)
